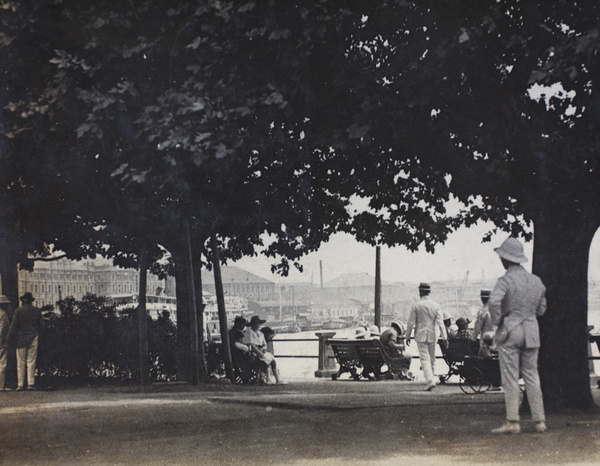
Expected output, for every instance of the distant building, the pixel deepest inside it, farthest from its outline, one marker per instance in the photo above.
(238, 282)
(234, 306)
(55, 280)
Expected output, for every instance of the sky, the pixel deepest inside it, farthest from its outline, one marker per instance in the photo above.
(463, 254)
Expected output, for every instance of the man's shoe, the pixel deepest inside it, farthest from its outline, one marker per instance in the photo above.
(20, 389)
(540, 426)
(430, 386)
(31, 389)
(508, 428)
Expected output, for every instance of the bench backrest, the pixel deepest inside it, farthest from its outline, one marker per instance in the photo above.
(344, 351)
(369, 353)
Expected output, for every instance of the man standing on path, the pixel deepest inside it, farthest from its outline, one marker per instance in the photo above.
(4, 327)
(24, 330)
(484, 326)
(518, 298)
(426, 317)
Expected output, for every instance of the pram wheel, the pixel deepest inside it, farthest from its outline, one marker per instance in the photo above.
(473, 380)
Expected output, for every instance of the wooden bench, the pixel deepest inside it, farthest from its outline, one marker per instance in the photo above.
(371, 359)
(346, 357)
(368, 357)
(594, 338)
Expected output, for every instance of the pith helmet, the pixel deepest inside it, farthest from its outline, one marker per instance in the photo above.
(512, 250)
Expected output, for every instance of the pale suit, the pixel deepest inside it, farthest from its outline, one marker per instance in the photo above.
(4, 326)
(519, 297)
(426, 317)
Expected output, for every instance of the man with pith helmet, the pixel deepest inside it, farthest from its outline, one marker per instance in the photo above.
(517, 300)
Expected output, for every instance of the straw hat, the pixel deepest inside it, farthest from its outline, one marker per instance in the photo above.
(374, 330)
(254, 320)
(361, 332)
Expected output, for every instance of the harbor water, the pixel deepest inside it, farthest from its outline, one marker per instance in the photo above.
(305, 367)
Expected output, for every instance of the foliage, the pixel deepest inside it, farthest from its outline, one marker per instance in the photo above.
(491, 103)
(90, 339)
(269, 118)
(444, 91)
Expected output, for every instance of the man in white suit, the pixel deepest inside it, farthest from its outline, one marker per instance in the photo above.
(518, 298)
(426, 317)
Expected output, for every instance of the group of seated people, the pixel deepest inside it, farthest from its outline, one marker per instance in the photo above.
(392, 342)
(248, 342)
(483, 329)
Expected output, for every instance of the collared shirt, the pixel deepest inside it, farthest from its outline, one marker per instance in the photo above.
(519, 297)
(483, 323)
(465, 334)
(426, 317)
(255, 337)
(389, 338)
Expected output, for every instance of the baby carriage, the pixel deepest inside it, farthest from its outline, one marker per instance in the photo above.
(475, 374)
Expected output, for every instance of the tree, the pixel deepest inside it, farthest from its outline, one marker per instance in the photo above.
(494, 104)
(177, 115)
(44, 184)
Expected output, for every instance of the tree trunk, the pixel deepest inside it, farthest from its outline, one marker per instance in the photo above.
(221, 310)
(197, 265)
(560, 259)
(191, 302)
(183, 340)
(377, 319)
(9, 275)
(143, 322)
(9, 263)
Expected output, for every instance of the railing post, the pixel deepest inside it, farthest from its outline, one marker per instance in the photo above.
(326, 358)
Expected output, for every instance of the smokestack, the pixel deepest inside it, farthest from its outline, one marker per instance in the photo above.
(321, 270)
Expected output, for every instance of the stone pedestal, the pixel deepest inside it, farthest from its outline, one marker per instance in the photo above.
(327, 365)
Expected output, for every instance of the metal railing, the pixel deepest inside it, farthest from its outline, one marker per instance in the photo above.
(327, 360)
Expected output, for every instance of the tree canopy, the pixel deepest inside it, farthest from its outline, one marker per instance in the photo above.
(271, 118)
(495, 104)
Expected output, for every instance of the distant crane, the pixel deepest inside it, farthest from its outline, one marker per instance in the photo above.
(460, 292)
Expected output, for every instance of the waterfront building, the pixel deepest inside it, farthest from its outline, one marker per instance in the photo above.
(52, 281)
(238, 282)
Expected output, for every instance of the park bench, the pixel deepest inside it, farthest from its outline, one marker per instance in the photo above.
(594, 338)
(346, 357)
(366, 356)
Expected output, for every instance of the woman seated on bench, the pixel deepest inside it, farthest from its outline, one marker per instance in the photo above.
(255, 339)
(392, 342)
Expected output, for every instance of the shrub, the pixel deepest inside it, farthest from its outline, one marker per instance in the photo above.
(88, 338)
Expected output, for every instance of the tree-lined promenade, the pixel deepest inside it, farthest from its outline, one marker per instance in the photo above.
(214, 130)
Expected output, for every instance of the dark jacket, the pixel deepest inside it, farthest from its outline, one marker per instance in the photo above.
(25, 326)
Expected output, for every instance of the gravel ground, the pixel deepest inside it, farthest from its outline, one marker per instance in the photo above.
(303, 422)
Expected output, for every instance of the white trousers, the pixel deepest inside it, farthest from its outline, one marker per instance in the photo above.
(26, 357)
(3, 360)
(427, 357)
(516, 362)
